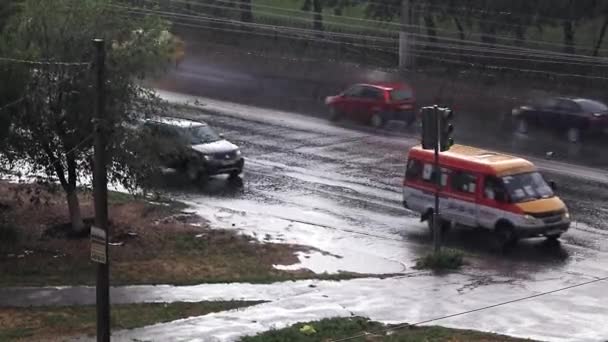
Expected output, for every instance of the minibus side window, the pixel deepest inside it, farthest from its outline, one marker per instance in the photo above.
(414, 170)
(493, 189)
(464, 182)
(429, 175)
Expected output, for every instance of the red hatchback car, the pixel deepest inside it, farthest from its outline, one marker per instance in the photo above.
(375, 104)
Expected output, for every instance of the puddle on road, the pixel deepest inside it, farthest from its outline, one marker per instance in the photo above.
(337, 245)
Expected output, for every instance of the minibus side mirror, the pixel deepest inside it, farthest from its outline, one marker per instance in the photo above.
(553, 185)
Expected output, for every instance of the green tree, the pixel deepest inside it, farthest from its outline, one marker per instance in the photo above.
(52, 128)
(567, 14)
(317, 7)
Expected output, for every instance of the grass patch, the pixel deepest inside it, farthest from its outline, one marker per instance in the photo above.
(445, 259)
(337, 328)
(154, 243)
(52, 322)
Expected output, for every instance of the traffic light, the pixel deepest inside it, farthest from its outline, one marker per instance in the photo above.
(446, 129)
(429, 128)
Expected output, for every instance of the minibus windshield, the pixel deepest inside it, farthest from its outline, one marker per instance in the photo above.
(525, 187)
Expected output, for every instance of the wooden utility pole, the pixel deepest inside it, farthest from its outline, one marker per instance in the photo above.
(406, 39)
(100, 193)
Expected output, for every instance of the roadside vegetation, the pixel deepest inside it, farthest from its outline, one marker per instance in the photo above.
(444, 260)
(369, 331)
(151, 243)
(59, 323)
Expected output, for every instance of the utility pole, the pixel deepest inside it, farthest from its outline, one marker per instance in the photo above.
(406, 40)
(100, 193)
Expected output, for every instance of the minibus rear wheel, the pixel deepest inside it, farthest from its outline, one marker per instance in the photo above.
(445, 225)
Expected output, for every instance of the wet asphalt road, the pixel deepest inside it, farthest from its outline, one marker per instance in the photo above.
(310, 171)
(337, 189)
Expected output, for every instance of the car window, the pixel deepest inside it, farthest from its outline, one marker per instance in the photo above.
(464, 182)
(549, 103)
(568, 106)
(592, 106)
(429, 175)
(401, 94)
(201, 135)
(414, 169)
(493, 186)
(372, 93)
(162, 130)
(527, 187)
(354, 91)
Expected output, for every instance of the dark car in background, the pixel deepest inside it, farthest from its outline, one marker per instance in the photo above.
(195, 148)
(376, 103)
(574, 116)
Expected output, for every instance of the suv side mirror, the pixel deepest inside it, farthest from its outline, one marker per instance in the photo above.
(553, 185)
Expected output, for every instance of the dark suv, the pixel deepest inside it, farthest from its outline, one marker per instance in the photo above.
(195, 148)
(573, 115)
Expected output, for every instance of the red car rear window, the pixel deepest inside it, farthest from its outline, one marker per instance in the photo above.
(401, 94)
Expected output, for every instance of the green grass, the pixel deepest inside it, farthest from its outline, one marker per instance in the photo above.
(585, 36)
(445, 259)
(15, 334)
(337, 328)
(41, 323)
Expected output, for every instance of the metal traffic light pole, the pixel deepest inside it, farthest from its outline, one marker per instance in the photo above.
(436, 216)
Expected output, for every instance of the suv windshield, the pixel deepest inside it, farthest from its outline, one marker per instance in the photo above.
(401, 94)
(526, 187)
(201, 135)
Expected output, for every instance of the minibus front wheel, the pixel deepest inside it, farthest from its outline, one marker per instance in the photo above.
(505, 235)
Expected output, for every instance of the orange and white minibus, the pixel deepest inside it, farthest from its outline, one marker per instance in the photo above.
(485, 189)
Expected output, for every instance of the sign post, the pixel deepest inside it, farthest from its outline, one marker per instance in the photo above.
(98, 245)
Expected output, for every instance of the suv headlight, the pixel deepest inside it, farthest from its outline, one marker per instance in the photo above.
(206, 157)
(566, 215)
(530, 218)
(238, 153)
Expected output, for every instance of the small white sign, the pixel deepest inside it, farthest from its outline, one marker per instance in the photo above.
(98, 245)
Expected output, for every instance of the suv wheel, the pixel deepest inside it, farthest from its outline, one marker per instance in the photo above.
(194, 172)
(334, 114)
(574, 134)
(522, 126)
(235, 174)
(377, 121)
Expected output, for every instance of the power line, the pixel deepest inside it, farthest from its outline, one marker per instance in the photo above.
(44, 63)
(490, 48)
(402, 326)
(393, 50)
(368, 28)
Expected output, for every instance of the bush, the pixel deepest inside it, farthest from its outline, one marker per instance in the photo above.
(9, 236)
(445, 259)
